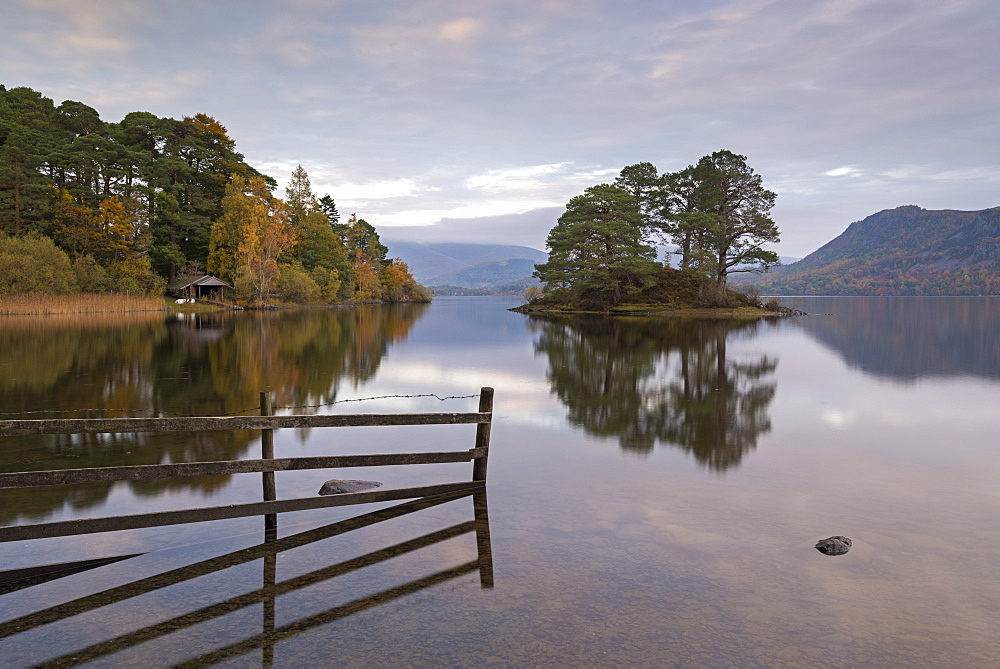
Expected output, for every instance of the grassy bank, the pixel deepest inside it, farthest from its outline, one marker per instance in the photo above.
(86, 303)
(660, 310)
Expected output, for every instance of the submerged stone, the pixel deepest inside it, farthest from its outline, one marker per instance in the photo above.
(836, 545)
(339, 486)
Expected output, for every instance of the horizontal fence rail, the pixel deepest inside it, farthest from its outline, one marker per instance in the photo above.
(64, 528)
(21, 428)
(267, 465)
(215, 468)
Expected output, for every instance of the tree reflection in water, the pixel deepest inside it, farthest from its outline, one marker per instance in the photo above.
(151, 364)
(650, 380)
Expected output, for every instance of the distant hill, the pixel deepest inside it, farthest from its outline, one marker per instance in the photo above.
(668, 255)
(902, 251)
(472, 265)
(487, 274)
(513, 288)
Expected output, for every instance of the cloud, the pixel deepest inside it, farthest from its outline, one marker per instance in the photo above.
(512, 178)
(558, 178)
(100, 45)
(77, 30)
(476, 209)
(528, 229)
(837, 418)
(845, 171)
(460, 30)
(377, 190)
(985, 173)
(297, 54)
(459, 379)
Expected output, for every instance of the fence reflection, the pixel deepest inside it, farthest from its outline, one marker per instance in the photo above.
(271, 590)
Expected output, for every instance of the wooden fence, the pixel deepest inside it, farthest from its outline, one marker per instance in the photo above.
(270, 590)
(267, 465)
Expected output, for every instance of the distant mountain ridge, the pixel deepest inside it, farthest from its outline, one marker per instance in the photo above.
(901, 251)
(485, 269)
(467, 265)
(487, 274)
(669, 255)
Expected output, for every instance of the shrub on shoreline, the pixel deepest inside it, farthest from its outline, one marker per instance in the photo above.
(34, 264)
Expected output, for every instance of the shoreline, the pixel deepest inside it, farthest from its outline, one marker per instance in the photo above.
(43, 304)
(640, 310)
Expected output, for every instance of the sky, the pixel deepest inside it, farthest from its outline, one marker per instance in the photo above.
(477, 121)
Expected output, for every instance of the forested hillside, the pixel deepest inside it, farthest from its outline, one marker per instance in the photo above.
(129, 206)
(902, 251)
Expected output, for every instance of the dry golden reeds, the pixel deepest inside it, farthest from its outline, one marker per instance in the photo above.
(86, 303)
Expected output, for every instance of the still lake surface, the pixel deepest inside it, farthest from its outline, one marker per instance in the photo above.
(655, 488)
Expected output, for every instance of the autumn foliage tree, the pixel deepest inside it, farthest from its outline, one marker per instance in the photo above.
(394, 279)
(367, 286)
(320, 252)
(249, 238)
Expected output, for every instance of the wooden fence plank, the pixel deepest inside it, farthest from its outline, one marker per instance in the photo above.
(215, 468)
(161, 518)
(215, 423)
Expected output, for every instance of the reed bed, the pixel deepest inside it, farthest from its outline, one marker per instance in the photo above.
(86, 303)
(98, 320)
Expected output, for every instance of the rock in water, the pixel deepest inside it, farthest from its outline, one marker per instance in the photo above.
(837, 545)
(338, 486)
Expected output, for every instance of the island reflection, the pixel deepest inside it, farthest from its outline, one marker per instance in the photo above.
(645, 381)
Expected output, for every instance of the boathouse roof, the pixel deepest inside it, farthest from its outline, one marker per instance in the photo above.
(203, 280)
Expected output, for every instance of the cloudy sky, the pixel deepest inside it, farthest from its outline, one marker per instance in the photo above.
(478, 120)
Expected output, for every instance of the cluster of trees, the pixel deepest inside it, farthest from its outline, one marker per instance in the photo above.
(133, 205)
(717, 213)
(299, 249)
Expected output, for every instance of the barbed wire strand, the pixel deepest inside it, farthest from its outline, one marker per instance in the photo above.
(379, 397)
(237, 413)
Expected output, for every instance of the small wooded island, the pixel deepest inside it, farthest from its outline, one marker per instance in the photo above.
(602, 253)
(668, 292)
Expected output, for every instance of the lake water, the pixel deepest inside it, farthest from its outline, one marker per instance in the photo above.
(656, 487)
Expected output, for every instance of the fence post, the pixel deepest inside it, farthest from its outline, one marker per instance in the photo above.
(267, 453)
(483, 435)
(484, 549)
(270, 574)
